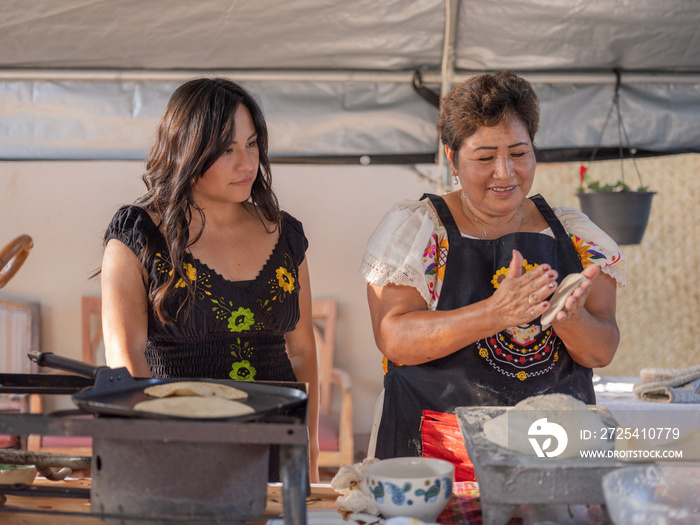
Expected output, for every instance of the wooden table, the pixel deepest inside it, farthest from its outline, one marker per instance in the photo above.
(464, 508)
(76, 511)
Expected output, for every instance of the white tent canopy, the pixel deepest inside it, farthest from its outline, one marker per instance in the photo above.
(89, 79)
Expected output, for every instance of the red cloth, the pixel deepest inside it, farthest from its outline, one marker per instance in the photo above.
(7, 441)
(442, 439)
(464, 507)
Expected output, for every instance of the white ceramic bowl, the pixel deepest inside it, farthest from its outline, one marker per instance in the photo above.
(653, 495)
(414, 487)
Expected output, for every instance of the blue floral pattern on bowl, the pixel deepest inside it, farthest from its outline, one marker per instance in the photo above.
(402, 495)
(398, 493)
(410, 487)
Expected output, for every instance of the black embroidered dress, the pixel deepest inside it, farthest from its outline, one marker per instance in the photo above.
(234, 330)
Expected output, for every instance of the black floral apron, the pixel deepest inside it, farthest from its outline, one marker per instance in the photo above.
(501, 370)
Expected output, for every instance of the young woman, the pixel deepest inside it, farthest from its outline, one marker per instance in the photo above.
(204, 276)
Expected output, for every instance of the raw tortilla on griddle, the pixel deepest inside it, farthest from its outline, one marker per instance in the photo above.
(195, 407)
(195, 388)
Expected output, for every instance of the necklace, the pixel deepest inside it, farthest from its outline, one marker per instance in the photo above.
(480, 223)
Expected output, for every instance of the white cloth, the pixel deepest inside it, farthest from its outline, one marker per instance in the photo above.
(410, 246)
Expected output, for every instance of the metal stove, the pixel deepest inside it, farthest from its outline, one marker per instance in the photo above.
(168, 470)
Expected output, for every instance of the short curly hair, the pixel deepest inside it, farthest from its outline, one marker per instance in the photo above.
(485, 101)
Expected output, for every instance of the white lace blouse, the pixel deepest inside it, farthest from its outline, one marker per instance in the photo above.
(410, 246)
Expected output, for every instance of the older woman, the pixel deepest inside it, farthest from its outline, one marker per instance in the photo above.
(457, 283)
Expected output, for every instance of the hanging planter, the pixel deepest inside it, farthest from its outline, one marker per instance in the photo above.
(623, 214)
(620, 211)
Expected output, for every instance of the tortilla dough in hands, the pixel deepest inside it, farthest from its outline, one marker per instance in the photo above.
(556, 303)
(195, 388)
(563, 410)
(351, 483)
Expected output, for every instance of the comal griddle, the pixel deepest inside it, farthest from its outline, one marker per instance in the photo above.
(148, 468)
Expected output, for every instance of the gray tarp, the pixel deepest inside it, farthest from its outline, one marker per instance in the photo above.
(88, 79)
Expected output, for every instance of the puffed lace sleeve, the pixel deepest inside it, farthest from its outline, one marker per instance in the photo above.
(593, 245)
(399, 250)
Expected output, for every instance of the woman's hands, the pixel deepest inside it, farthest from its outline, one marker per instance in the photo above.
(576, 301)
(587, 323)
(407, 332)
(521, 298)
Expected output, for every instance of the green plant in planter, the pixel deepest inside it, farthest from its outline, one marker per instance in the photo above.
(588, 185)
(619, 210)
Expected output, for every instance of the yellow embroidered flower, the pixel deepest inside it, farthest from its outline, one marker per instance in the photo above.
(556, 356)
(582, 249)
(442, 258)
(500, 275)
(483, 352)
(242, 371)
(527, 267)
(162, 264)
(285, 279)
(241, 320)
(503, 272)
(191, 273)
(522, 375)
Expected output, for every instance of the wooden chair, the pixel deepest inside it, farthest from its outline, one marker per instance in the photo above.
(19, 334)
(93, 348)
(92, 352)
(335, 418)
(12, 257)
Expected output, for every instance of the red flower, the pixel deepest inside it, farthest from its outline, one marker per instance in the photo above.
(538, 356)
(509, 357)
(582, 170)
(522, 360)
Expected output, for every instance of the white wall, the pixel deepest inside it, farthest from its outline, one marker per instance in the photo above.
(66, 206)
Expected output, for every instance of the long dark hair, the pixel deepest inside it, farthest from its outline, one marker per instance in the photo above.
(198, 126)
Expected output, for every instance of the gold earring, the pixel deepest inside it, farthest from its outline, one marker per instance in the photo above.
(455, 180)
